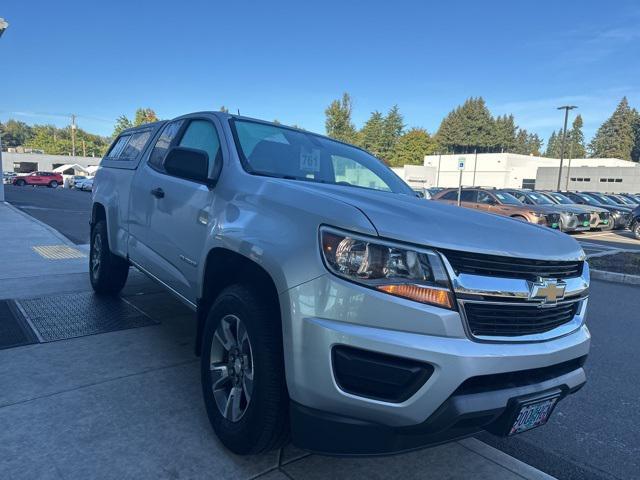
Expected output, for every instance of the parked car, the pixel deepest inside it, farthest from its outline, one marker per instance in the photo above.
(634, 198)
(600, 218)
(571, 219)
(500, 203)
(329, 298)
(622, 200)
(619, 215)
(634, 224)
(85, 185)
(75, 180)
(48, 179)
(7, 177)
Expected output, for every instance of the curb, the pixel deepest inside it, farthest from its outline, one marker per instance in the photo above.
(615, 277)
(508, 462)
(50, 229)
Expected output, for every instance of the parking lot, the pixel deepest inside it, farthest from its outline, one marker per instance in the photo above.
(127, 403)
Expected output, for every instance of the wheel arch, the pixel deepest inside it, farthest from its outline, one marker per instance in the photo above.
(226, 267)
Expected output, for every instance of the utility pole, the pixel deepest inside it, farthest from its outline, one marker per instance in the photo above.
(438, 173)
(3, 26)
(566, 109)
(84, 148)
(73, 135)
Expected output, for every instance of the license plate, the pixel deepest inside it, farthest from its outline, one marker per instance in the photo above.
(533, 415)
(585, 223)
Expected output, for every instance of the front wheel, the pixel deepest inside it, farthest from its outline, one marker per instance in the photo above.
(636, 229)
(242, 369)
(20, 183)
(108, 272)
(53, 184)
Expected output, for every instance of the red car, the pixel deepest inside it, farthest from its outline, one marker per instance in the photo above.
(49, 179)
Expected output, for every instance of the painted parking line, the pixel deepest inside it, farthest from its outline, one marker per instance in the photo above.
(58, 252)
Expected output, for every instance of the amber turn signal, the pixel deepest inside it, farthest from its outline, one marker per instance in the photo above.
(417, 293)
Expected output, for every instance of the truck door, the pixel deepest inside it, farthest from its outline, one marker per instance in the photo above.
(178, 210)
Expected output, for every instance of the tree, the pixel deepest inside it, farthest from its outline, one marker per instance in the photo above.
(57, 141)
(371, 137)
(534, 144)
(144, 115)
(616, 137)
(468, 128)
(338, 122)
(392, 128)
(505, 134)
(122, 123)
(553, 146)
(15, 133)
(411, 148)
(575, 140)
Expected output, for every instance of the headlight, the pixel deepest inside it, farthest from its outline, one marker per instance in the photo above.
(416, 274)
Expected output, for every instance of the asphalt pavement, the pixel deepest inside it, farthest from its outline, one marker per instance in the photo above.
(66, 210)
(592, 435)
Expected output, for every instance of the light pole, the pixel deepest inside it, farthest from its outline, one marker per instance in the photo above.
(3, 26)
(566, 109)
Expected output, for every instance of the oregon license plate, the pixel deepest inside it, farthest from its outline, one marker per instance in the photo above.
(533, 415)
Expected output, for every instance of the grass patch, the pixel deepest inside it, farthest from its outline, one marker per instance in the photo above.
(625, 262)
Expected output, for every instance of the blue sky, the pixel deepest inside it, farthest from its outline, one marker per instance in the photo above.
(289, 59)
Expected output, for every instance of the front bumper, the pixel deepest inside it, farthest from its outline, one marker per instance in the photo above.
(328, 311)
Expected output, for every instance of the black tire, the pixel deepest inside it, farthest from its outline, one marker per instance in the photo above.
(20, 183)
(264, 424)
(636, 229)
(110, 273)
(53, 184)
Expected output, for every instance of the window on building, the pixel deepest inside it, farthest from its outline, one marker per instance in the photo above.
(529, 183)
(618, 180)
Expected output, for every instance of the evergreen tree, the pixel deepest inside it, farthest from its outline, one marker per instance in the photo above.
(411, 148)
(468, 127)
(522, 142)
(505, 134)
(338, 122)
(575, 140)
(616, 136)
(552, 145)
(122, 123)
(391, 132)
(534, 144)
(372, 135)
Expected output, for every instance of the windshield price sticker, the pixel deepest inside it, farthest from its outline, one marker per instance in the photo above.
(309, 160)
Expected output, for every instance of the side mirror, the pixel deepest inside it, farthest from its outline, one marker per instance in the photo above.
(188, 163)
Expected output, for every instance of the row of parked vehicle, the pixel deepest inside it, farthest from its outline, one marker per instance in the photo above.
(49, 179)
(565, 211)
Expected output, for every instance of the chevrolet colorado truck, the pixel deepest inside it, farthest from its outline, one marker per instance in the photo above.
(332, 305)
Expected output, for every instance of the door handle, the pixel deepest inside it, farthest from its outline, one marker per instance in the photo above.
(157, 192)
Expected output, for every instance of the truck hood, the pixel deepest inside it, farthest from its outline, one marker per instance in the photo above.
(434, 224)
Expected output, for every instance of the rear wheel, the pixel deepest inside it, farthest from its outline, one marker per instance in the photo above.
(108, 272)
(636, 229)
(20, 183)
(53, 184)
(242, 369)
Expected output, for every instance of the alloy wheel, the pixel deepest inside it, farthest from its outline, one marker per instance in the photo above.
(96, 251)
(231, 368)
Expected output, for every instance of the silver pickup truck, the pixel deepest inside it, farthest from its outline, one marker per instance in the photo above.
(332, 304)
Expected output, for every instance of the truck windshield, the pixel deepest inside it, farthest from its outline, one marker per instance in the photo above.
(283, 152)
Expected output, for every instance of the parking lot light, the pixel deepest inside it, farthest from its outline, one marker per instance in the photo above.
(566, 109)
(3, 26)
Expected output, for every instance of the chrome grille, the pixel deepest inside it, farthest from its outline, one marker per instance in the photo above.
(513, 319)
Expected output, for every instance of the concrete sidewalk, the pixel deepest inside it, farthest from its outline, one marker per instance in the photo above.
(127, 404)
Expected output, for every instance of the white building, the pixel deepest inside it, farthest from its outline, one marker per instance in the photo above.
(31, 162)
(500, 170)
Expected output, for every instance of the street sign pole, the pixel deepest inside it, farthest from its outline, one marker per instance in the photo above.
(461, 168)
(1, 172)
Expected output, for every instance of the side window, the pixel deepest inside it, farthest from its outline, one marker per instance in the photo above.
(468, 196)
(521, 197)
(169, 133)
(202, 135)
(118, 147)
(484, 197)
(135, 145)
(452, 195)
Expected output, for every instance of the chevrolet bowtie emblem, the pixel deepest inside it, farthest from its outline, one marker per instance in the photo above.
(547, 290)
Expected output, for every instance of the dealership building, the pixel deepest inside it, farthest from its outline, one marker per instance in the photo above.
(509, 170)
(32, 162)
